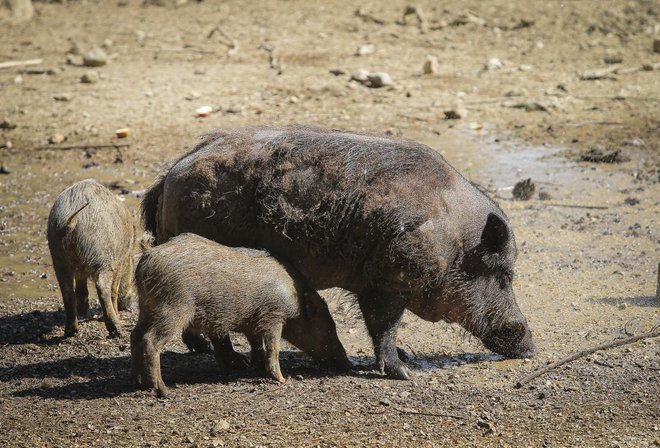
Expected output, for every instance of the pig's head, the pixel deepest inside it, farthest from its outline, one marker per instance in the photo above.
(474, 288)
(314, 332)
(480, 286)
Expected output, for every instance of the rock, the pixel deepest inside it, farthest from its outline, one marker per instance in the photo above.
(360, 75)
(90, 77)
(221, 425)
(601, 155)
(380, 79)
(656, 45)
(365, 50)
(107, 43)
(18, 79)
(140, 36)
(123, 132)
(384, 402)
(494, 64)
(74, 59)
(634, 142)
(431, 65)
(544, 195)
(9, 144)
(95, 58)
(204, 111)
(631, 201)
(6, 124)
(597, 74)
(91, 164)
(612, 57)
(524, 190)
(456, 113)
(622, 306)
(516, 91)
(525, 68)
(75, 47)
(56, 139)
(530, 106)
(337, 72)
(467, 18)
(4, 170)
(62, 97)
(193, 95)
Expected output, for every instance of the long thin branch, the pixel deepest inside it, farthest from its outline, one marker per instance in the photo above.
(10, 64)
(654, 333)
(113, 146)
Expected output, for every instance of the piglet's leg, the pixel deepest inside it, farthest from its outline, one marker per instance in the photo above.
(272, 349)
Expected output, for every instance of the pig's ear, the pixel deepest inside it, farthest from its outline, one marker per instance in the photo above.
(495, 235)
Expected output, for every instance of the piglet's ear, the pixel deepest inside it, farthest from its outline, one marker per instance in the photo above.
(495, 235)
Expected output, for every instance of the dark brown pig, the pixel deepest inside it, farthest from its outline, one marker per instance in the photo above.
(387, 219)
(194, 284)
(91, 234)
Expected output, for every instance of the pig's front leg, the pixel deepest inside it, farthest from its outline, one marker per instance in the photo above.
(382, 314)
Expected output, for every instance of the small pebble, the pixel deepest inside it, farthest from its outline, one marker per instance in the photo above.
(380, 79)
(90, 77)
(365, 50)
(360, 75)
(56, 138)
(95, 58)
(494, 64)
(431, 65)
(62, 97)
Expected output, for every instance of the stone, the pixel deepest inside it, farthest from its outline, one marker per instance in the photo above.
(62, 97)
(4, 170)
(90, 77)
(56, 138)
(74, 59)
(656, 45)
(457, 112)
(431, 65)
(494, 64)
(516, 91)
(95, 58)
(360, 75)
(365, 50)
(380, 79)
(524, 190)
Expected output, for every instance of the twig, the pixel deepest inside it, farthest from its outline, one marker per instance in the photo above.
(273, 60)
(232, 44)
(590, 207)
(654, 333)
(365, 16)
(113, 146)
(416, 10)
(429, 414)
(595, 123)
(10, 64)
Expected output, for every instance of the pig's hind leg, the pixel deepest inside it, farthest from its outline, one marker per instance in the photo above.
(65, 280)
(271, 340)
(82, 295)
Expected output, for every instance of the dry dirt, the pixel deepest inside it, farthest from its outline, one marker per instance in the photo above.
(582, 272)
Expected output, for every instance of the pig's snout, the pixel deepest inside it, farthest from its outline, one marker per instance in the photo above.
(513, 340)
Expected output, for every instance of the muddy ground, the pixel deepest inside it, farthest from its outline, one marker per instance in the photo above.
(582, 272)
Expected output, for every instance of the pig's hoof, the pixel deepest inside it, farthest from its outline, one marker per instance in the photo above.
(114, 333)
(70, 332)
(397, 371)
(162, 392)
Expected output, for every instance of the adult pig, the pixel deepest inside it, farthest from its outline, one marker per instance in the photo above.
(91, 234)
(387, 219)
(194, 284)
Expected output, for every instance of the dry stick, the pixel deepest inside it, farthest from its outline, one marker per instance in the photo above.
(113, 146)
(654, 333)
(11, 64)
(429, 414)
(232, 44)
(591, 207)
